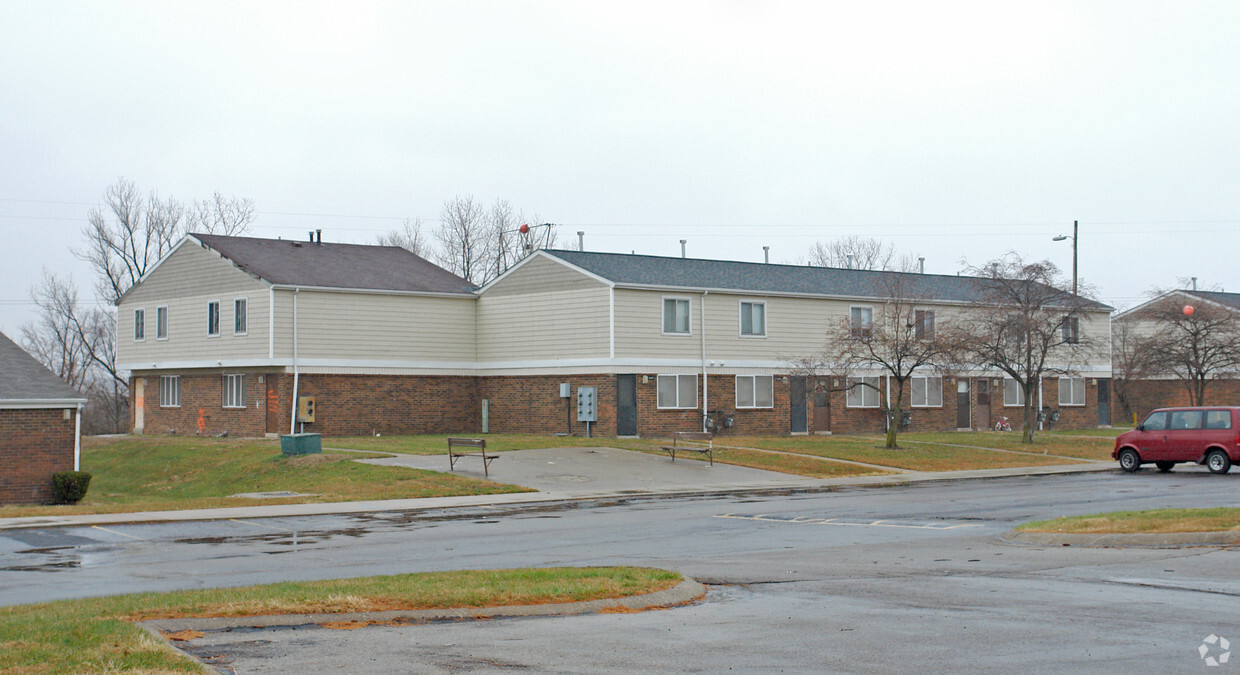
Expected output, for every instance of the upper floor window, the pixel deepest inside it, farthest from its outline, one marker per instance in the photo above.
(213, 317)
(676, 316)
(923, 324)
(926, 392)
(139, 325)
(677, 391)
(862, 392)
(753, 319)
(1013, 394)
(755, 391)
(161, 323)
(1072, 329)
(239, 317)
(1071, 391)
(861, 320)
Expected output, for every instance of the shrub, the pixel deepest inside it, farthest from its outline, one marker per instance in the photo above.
(69, 487)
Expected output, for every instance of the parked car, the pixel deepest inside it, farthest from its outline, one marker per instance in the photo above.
(1207, 435)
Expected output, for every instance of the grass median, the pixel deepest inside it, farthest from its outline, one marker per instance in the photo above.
(1156, 521)
(99, 635)
(962, 451)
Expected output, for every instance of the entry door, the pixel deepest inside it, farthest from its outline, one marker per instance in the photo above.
(822, 413)
(962, 404)
(273, 404)
(626, 405)
(983, 403)
(139, 404)
(798, 424)
(1104, 402)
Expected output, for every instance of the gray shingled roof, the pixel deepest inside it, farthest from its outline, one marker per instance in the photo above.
(22, 378)
(645, 270)
(355, 266)
(1229, 299)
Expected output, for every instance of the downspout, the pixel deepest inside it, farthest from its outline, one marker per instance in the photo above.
(705, 379)
(292, 425)
(77, 438)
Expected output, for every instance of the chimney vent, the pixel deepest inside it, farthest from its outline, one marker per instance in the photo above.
(682, 247)
(581, 240)
(921, 264)
(766, 254)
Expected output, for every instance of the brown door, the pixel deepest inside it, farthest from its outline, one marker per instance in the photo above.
(983, 403)
(822, 413)
(273, 404)
(962, 403)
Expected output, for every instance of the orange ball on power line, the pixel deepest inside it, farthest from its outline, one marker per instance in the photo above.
(1188, 310)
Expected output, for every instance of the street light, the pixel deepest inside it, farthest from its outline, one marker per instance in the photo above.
(1073, 238)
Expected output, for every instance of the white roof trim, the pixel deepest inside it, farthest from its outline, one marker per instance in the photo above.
(35, 403)
(463, 295)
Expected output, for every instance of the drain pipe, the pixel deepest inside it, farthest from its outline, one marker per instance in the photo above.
(292, 425)
(705, 379)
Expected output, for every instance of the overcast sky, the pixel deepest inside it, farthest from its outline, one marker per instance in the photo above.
(953, 130)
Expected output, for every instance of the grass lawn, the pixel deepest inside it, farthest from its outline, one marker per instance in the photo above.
(1132, 522)
(157, 473)
(916, 456)
(1064, 444)
(97, 634)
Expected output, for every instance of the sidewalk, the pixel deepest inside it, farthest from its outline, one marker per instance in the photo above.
(562, 474)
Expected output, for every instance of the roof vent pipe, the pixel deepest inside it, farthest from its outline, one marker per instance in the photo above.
(311, 236)
(682, 247)
(921, 265)
(1194, 283)
(766, 254)
(581, 240)
(318, 236)
(850, 256)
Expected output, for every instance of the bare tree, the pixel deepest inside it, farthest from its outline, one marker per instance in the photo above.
(409, 237)
(1130, 363)
(462, 239)
(55, 338)
(228, 216)
(1025, 319)
(1196, 346)
(853, 252)
(898, 337)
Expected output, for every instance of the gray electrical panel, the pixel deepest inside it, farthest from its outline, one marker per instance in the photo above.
(587, 404)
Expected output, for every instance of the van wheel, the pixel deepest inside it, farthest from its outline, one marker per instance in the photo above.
(1218, 462)
(1164, 467)
(1129, 460)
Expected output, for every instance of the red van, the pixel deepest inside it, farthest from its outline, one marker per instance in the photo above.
(1207, 435)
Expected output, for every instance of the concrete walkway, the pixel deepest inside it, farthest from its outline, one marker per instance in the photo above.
(559, 474)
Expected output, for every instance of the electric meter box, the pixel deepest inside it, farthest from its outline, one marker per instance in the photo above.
(305, 409)
(587, 404)
(566, 390)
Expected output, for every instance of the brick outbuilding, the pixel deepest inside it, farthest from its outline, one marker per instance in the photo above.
(40, 427)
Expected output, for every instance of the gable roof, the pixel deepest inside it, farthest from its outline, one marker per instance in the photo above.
(765, 278)
(23, 380)
(284, 262)
(1228, 300)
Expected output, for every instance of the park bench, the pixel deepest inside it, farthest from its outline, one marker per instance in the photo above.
(701, 442)
(474, 447)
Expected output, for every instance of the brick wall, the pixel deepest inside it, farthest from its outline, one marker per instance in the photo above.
(1144, 396)
(34, 444)
(202, 410)
(532, 404)
(390, 404)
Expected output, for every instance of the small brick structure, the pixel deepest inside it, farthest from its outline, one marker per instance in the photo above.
(39, 427)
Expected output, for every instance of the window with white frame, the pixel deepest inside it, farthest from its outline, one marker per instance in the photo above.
(676, 316)
(234, 391)
(1072, 330)
(213, 317)
(169, 391)
(1071, 391)
(753, 319)
(139, 325)
(239, 317)
(1013, 394)
(161, 323)
(755, 391)
(926, 392)
(862, 392)
(861, 320)
(677, 391)
(923, 324)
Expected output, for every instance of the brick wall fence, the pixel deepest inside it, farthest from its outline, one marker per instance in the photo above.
(34, 444)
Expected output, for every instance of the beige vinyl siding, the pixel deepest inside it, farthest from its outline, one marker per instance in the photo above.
(544, 311)
(185, 282)
(370, 327)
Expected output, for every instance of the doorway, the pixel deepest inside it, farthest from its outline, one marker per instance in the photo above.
(273, 403)
(822, 413)
(983, 404)
(1104, 402)
(626, 405)
(139, 404)
(962, 404)
(798, 423)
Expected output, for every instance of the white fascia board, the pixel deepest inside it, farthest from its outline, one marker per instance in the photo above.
(37, 403)
(464, 295)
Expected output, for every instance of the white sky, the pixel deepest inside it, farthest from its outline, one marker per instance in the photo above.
(954, 130)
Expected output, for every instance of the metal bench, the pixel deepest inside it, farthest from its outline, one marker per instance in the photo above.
(477, 447)
(701, 442)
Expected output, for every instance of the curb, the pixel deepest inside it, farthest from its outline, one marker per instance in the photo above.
(1135, 540)
(686, 592)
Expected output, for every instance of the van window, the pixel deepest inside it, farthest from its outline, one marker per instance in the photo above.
(1186, 419)
(1155, 422)
(1218, 419)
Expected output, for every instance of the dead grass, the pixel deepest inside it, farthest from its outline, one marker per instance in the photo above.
(1159, 521)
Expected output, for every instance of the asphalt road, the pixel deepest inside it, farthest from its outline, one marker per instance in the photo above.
(858, 580)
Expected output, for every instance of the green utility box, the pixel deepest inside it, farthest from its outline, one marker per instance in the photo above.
(301, 444)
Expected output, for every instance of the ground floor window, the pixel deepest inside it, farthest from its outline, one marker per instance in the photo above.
(755, 391)
(169, 391)
(677, 391)
(862, 392)
(234, 391)
(926, 392)
(1013, 394)
(1071, 391)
